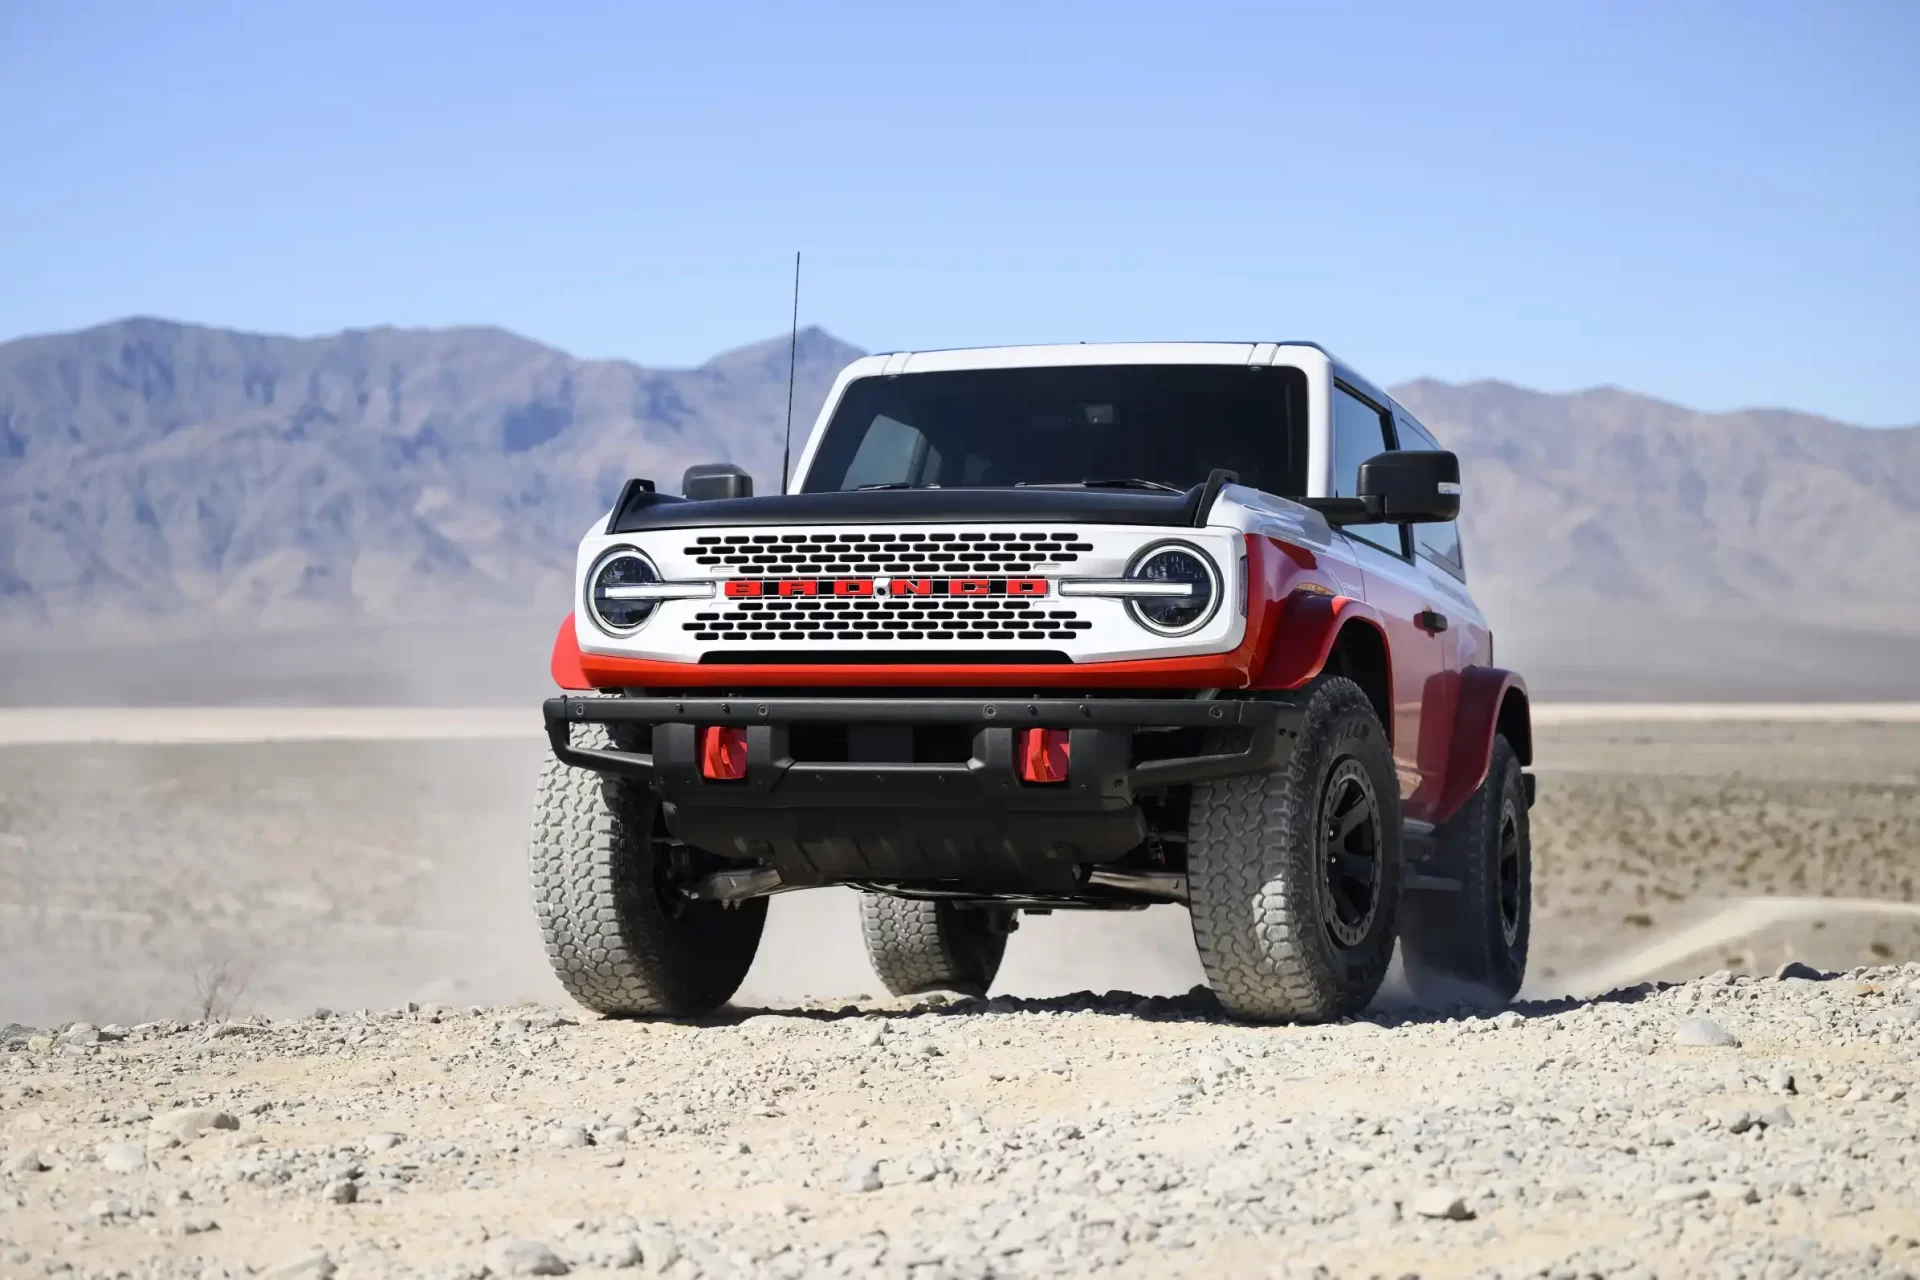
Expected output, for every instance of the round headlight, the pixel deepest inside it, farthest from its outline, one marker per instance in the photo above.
(623, 567)
(1175, 562)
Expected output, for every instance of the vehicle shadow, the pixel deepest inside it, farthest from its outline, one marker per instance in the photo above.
(1196, 1006)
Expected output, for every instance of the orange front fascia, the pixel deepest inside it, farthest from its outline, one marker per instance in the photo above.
(1292, 620)
(1215, 671)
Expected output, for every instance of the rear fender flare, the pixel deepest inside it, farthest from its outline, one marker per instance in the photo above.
(1492, 701)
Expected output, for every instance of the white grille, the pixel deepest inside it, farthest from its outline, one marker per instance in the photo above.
(762, 555)
(799, 620)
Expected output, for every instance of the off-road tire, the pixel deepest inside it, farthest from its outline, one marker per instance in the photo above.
(916, 945)
(1258, 862)
(621, 939)
(1470, 947)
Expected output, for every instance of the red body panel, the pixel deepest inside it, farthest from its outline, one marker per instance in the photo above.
(1398, 591)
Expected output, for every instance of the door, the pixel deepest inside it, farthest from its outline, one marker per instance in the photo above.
(1467, 642)
(1398, 587)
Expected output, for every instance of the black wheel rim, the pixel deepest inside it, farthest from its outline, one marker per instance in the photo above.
(1350, 854)
(1509, 874)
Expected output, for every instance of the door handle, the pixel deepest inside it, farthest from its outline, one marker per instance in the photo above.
(1430, 622)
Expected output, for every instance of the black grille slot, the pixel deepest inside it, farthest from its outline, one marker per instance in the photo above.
(771, 555)
(814, 620)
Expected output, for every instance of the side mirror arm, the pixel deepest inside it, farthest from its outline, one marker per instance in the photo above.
(1345, 511)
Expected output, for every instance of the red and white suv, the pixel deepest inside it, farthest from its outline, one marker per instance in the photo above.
(1044, 628)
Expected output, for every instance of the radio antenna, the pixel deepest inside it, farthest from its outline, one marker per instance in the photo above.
(793, 351)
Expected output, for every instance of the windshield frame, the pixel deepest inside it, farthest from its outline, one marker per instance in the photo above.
(1252, 400)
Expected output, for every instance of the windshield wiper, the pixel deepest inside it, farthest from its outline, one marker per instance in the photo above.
(893, 484)
(1122, 483)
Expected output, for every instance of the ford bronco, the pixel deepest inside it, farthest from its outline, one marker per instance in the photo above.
(1043, 628)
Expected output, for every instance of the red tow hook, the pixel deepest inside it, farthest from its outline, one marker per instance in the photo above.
(1043, 755)
(723, 752)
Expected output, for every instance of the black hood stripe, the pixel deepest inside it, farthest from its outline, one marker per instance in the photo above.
(641, 510)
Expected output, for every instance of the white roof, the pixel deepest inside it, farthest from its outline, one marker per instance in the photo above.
(1076, 353)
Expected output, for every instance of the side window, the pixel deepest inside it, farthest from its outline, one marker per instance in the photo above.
(1439, 543)
(1359, 432)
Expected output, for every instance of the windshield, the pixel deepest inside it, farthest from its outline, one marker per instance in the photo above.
(974, 428)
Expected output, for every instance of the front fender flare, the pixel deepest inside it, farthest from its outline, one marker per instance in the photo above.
(1309, 626)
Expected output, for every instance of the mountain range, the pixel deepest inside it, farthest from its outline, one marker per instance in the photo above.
(170, 474)
(179, 478)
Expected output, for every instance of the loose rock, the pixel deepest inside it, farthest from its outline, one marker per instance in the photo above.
(313, 1265)
(123, 1157)
(524, 1258)
(1441, 1202)
(187, 1123)
(23, 1162)
(1704, 1033)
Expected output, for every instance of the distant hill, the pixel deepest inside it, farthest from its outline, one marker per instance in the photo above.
(1607, 498)
(170, 473)
(191, 478)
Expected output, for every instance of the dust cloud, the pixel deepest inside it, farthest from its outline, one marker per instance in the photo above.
(150, 880)
(812, 950)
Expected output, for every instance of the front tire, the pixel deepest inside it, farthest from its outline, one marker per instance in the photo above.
(621, 937)
(1294, 876)
(917, 945)
(1470, 947)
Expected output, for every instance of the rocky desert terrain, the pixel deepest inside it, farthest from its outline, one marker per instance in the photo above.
(171, 1103)
(1730, 1126)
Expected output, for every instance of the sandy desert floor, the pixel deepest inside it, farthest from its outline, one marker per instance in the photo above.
(141, 881)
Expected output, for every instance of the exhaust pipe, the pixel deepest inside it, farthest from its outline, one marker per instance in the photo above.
(1162, 886)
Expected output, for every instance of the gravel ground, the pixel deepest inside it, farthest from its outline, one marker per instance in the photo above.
(1737, 1125)
(1731, 1126)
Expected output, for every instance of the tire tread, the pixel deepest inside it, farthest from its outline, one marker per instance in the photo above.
(1252, 878)
(611, 945)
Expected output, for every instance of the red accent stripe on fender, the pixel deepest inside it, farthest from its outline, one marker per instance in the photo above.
(565, 664)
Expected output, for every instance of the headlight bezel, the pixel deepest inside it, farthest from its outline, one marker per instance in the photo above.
(590, 589)
(1216, 587)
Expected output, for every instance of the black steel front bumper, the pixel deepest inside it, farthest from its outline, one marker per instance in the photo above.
(976, 820)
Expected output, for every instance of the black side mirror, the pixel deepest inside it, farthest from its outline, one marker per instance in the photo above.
(1410, 486)
(709, 480)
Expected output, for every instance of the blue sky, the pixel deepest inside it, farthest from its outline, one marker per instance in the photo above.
(1714, 203)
